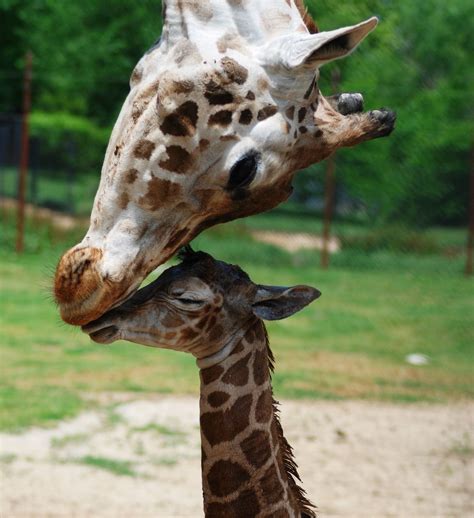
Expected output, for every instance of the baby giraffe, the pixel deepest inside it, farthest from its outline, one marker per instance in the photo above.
(214, 311)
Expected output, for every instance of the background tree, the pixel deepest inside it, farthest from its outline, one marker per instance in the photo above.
(418, 62)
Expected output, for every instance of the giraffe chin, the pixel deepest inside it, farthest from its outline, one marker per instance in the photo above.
(106, 335)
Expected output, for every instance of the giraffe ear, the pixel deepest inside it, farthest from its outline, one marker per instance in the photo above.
(313, 50)
(277, 302)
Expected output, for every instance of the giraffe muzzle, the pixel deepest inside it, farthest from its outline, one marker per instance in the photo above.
(80, 290)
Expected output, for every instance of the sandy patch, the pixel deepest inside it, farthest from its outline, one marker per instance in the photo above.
(356, 459)
(294, 241)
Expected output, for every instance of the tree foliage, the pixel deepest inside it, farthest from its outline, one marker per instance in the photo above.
(418, 61)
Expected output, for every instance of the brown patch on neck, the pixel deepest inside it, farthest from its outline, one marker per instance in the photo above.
(245, 505)
(211, 374)
(223, 426)
(238, 374)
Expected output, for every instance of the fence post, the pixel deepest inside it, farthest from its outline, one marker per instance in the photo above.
(329, 187)
(470, 231)
(25, 140)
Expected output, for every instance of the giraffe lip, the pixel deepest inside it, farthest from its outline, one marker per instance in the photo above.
(104, 335)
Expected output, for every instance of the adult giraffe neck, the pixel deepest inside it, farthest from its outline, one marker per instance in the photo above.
(255, 20)
(247, 465)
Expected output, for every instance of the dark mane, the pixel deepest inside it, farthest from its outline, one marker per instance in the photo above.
(188, 256)
(306, 508)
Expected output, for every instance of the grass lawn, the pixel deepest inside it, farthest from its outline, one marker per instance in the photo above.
(376, 308)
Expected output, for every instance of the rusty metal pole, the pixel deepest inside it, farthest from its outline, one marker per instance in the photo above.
(24, 153)
(330, 187)
(470, 232)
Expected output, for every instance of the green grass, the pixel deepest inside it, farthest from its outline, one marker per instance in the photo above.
(376, 308)
(117, 467)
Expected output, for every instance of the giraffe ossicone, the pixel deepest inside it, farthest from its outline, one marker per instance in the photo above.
(214, 311)
(221, 114)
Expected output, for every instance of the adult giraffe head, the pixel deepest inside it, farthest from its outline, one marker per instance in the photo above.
(221, 114)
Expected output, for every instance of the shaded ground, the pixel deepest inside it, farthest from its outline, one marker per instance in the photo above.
(140, 457)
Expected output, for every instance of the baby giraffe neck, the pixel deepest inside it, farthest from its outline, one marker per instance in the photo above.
(247, 465)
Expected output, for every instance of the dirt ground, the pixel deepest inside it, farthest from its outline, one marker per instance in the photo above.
(141, 458)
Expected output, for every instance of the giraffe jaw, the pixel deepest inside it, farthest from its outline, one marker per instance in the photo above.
(105, 335)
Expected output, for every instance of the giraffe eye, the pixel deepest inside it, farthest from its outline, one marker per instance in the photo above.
(243, 171)
(184, 297)
(189, 302)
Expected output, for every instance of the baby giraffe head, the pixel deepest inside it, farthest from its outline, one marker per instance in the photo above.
(202, 306)
(221, 114)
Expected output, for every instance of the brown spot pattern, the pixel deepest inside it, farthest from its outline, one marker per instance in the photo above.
(221, 118)
(244, 506)
(131, 175)
(144, 149)
(203, 144)
(181, 123)
(216, 333)
(250, 335)
(183, 87)
(238, 374)
(217, 398)
(301, 114)
(189, 334)
(238, 349)
(235, 72)
(123, 201)
(266, 112)
(179, 160)
(257, 448)
(260, 367)
(216, 95)
(225, 477)
(224, 425)
(172, 320)
(271, 488)
(158, 192)
(245, 117)
(211, 373)
(264, 408)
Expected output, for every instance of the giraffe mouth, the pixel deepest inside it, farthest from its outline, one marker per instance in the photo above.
(105, 335)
